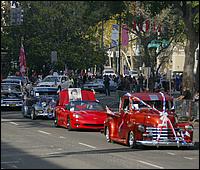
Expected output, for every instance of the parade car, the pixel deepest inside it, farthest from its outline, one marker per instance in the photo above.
(40, 103)
(12, 87)
(60, 81)
(97, 85)
(84, 113)
(147, 119)
(11, 100)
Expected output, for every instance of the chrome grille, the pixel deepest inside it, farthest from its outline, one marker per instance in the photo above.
(165, 133)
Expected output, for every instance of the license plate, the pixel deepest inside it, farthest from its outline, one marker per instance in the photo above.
(12, 105)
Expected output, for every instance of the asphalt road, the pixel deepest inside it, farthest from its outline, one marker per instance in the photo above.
(39, 145)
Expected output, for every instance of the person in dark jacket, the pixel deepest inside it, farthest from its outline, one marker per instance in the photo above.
(107, 85)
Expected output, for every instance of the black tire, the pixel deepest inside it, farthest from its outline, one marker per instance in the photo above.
(69, 127)
(56, 122)
(131, 140)
(33, 115)
(107, 134)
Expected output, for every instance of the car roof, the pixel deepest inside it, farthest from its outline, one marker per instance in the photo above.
(16, 80)
(9, 83)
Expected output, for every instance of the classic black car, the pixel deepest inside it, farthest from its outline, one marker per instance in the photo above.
(40, 102)
(11, 100)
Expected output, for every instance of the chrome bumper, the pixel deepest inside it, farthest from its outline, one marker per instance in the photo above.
(163, 143)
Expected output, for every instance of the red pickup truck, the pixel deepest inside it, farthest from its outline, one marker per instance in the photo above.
(147, 119)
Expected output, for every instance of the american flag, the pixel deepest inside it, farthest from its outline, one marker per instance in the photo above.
(22, 61)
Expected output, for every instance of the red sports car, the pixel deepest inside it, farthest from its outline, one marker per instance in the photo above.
(84, 113)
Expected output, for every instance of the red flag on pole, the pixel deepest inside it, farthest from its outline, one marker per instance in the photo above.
(22, 61)
(124, 35)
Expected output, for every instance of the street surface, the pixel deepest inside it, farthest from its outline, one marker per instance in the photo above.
(39, 145)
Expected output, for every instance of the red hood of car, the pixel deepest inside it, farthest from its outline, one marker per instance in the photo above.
(93, 113)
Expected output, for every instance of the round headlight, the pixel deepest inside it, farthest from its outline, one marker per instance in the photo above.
(44, 104)
(141, 128)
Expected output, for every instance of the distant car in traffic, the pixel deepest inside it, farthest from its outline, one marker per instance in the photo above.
(24, 79)
(40, 103)
(97, 85)
(132, 73)
(109, 71)
(60, 81)
(8, 80)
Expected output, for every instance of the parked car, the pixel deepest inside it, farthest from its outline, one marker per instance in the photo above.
(60, 81)
(86, 113)
(11, 100)
(147, 119)
(40, 103)
(97, 85)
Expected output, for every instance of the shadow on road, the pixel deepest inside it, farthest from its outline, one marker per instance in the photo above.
(13, 158)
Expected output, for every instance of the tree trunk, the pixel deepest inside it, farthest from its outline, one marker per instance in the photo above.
(191, 46)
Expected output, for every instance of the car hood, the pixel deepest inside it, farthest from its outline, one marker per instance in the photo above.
(88, 113)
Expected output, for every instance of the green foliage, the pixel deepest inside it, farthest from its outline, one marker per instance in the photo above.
(69, 27)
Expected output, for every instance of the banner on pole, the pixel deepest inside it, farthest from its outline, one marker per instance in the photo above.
(124, 35)
(115, 35)
(22, 61)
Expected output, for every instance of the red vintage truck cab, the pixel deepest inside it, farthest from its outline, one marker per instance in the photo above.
(147, 119)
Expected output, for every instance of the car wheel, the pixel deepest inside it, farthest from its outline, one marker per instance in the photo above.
(56, 121)
(33, 115)
(69, 124)
(24, 111)
(107, 134)
(131, 140)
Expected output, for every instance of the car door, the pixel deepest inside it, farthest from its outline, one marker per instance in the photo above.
(125, 114)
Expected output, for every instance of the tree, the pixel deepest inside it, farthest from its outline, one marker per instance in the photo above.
(155, 28)
(68, 27)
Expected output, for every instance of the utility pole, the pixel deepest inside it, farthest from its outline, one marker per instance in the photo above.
(119, 58)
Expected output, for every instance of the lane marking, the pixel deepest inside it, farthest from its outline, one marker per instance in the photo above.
(44, 132)
(9, 162)
(160, 167)
(62, 137)
(189, 158)
(54, 153)
(170, 153)
(90, 146)
(13, 123)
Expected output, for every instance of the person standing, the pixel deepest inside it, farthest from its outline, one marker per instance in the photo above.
(140, 82)
(107, 85)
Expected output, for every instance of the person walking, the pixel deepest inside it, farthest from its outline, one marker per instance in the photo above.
(107, 85)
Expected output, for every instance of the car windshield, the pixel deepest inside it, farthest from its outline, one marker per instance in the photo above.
(51, 79)
(86, 105)
(154, 104)
(11, 87)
